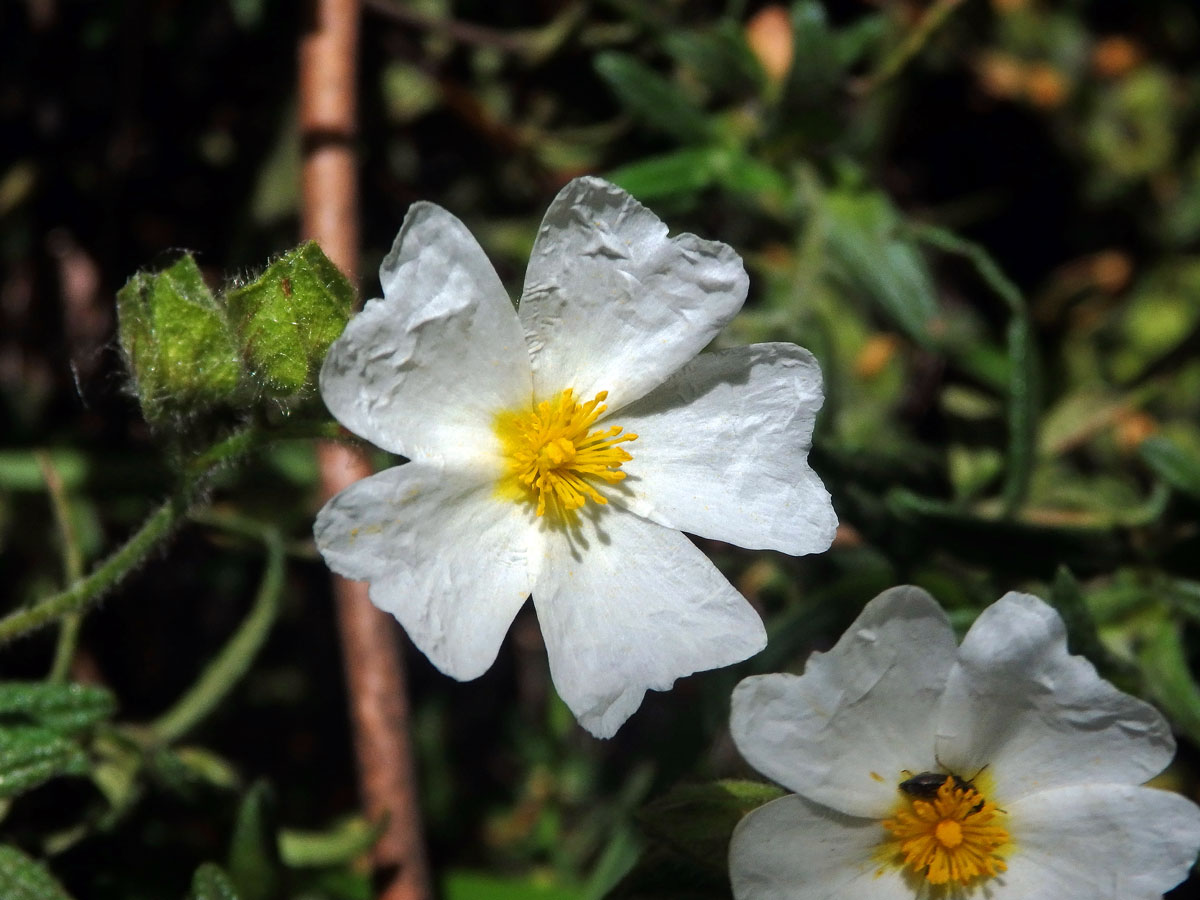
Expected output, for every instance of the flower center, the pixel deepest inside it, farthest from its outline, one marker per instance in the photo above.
(950, 837)
(555, 457)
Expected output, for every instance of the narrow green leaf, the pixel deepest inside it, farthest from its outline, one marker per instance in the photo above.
(176, 341)
(676, 174)
(1163, 660)
(23, 878)
(657, 102)
(1082, 636)
(1174, 465)
(864, 241)
(1018, 548)
(815, 68)
(287, 318)
(65, 708)
(211, 883)
(254, 866)
(719, 57)
(337, 846)
(32, 754)
(1022, 413)
(698, 819)
(466, 885)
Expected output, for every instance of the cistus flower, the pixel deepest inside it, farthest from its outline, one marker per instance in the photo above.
(560, 448)
(1001, 768)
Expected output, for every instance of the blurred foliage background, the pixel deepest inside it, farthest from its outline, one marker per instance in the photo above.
(983, 217)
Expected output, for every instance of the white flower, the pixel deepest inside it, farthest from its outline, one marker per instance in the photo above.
(558, 450)
(1001, 768)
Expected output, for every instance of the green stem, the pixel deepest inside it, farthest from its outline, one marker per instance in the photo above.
(68, 635)
(75, 598)
(912, 43)
(160, 524)
(236, 656)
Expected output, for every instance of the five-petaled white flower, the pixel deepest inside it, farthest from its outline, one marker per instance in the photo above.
(1001, 768)
(559, 449)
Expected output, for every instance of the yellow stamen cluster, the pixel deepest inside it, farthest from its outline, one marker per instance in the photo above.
(950, 838)
(555, 456)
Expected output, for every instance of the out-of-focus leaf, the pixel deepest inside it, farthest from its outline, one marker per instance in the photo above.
(719, 57)
(1172, 464)
(698, 819)
(23, 878)
(211, 883)
(815, 64)
(1163, 661)
(65, 708)
(1082, 636)
(254, 865)
(337, 846)
(1132, 130)
(858, 39)
(176, 341)
(657, 102)
(32, 754)
(465, 885)
(1019, 548)
(863, 234)
(674, 174)
(288, 316)
(1022, 413)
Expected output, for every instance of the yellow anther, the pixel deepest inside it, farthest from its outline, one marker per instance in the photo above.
(553, 453)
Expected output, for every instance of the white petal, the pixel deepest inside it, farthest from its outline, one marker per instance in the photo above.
(1038, 717)
(1100, 842)
(423, 371)
(610, 304)
(843, 733)
(792, 849)
(722, 451)
(625, 606)
(443, 555)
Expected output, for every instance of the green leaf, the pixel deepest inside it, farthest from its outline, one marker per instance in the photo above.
(32, 754)
(211, 883)
(465, 885)
(1163, 660)
(864, 241)
(1022, 413)
(676, 174)
(1015, 547)
(1174, 465)
(287, 318)
(657, 102)
(176, 341)
(254, 865)
(23, 878)
(65, 708)
(719, 57)
(698, 819)
(339, 845)
(816, 69)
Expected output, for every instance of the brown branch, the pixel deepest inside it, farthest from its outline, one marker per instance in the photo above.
(375, 679)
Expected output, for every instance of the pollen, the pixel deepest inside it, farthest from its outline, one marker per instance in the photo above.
(556, 460)
(951, 838)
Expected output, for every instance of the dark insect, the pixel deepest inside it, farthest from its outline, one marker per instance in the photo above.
(925, 786)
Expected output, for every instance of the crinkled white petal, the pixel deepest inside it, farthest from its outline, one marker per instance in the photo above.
(442, 553)
(843, 732)
(722, 451)
(611, 304)
(1038, 717)
(626, 605)
(793, 849)
(1099, 842)
(423, 371)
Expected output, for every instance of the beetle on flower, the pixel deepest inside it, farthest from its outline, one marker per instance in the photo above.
(559, 450)
(1001, 768)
